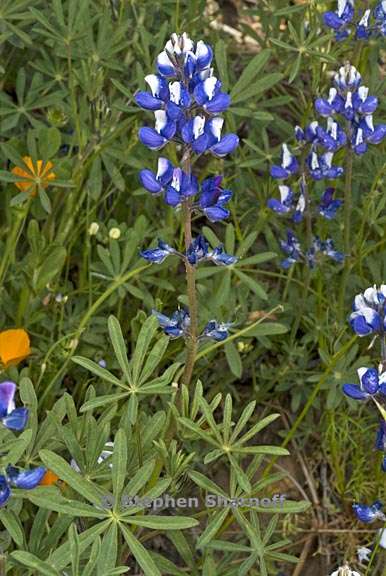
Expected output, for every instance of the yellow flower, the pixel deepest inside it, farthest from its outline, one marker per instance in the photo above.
(39, 174)
(14, 346)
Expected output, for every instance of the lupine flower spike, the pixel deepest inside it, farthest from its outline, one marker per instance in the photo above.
(363, 25)
(186, 100)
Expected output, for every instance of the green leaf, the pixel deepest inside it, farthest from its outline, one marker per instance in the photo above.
(262, 85)
(102, 401)
(119, 462)
(140, 553)
(98, 370)
(251, 284)
(249, 73)
(32, 561)
(220, 52)
(212, 528)
(58, 465)
(163, 522)
(268, 329)
(12, 524)
(145, 336)
(233, 359)
(109, 550)
(50, 140)
(119, 346)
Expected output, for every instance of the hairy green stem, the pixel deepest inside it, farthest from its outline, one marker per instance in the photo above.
(192, 341)
(12, 240)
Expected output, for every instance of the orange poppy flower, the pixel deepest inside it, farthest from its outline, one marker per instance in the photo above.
(49, 479)
(39, 174)
(14, 346)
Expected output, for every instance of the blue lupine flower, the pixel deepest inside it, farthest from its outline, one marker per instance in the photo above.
(288, 165)
(181, 187)
(198, 251)
(156, 183)
(320, 166)
(216, 331)
(363, 28)
(339, 19)
(363, 103)
(11, 417)
(287, 204)
(220, 257)
(368, 514)
(205, 135)
(328, 206)
(182, 56)
(213, 198)
(347, 79)
(328, 249)
(292, 247)
(380, 442)
(156, 138)
(368, 316)
(380, 16)
(371, 383)
(208, 95)
(159, 254)
(333, 137)
(25, 479)
(176, 325)
(159, 93)
(332, 105)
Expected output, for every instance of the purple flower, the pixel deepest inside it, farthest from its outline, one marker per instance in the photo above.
(363, 28)
(370, 383)
(288, 165)
(11, 417)
(159, 93)
(181, 187)
(320, 166)
(25, 479)
(292, 248)
(216, 331)
(328, 206)
(339, 19)
(156, 138)
(368, 316)
(156, 183)
(183, 56)
(205, 135)
(368, 514)
(333, 137)
(213, 199)
(208, 95)
(332, 105)
(159, 254)
(287, 203)
(176, 325)
(380, 442)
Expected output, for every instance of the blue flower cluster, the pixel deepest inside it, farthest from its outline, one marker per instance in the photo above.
(350, 100)
(292, 248)
(186, 99)
(16, 419)
(369, 312)
(369, 318)
(178, 324)
(366, 24)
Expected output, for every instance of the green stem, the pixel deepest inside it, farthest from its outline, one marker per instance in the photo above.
(347, 225)
(192, 341)
(11, 244)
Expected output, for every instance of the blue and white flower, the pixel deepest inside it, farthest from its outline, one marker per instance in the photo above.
(205, 135)
(208, 95)
(347, 79)
(363, 30)
(369, 514)
(217, 331)
(329, 106)
(287, 203)
(368, 316)
(288, 165)
(340, 19)
(164, 130)
(11, 417)
(176, 325)
(25, 479)
(180, 187)
(213, 199)
(328, 205)
(156, 183)
(159, 254)
(159, 93)
(333, 137)
(371, 383)
(320, 166)
(182, 57)
(199, 251)
(292, 248)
